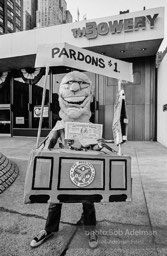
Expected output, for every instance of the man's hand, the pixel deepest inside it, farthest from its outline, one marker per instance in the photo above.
(76, 145)
(51, 140)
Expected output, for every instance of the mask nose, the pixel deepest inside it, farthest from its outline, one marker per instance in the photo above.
(75, 87)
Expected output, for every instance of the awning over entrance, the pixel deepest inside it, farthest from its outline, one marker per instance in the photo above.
(129, 35)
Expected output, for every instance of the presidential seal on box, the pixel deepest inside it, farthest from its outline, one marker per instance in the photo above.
(82, 173)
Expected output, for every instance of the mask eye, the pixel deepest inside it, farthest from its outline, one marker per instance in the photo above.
(82, 84)
(73, 81)
(70, 82)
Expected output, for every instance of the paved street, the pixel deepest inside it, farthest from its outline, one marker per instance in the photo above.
(127, 228)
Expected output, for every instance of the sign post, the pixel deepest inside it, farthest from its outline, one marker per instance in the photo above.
(42, 106)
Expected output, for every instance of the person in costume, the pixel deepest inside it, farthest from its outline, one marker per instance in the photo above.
(75, 96)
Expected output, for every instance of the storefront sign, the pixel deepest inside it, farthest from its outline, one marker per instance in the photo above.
(19, 120)
(72, 56)
(92, 29)
(37, 111)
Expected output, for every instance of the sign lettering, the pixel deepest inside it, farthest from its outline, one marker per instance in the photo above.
(72, 56)
(92, 29)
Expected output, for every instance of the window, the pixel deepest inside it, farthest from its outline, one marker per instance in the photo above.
(1, 30)
(20, 97)
(18, 30)
(18, 2)
(10, 14)
(1, 8)
(36, 103)
(1, 18)
(18, 22)
(18, 11)
(10, 3)
(10, 25)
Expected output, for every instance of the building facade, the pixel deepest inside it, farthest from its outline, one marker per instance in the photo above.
(162, 100)
(29, 14)
(34, 8)
(69, 18)
(52, 12)
(11, 16)
(132, 37)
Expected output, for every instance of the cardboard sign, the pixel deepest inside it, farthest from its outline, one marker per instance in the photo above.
(64, 175)
(71, 56)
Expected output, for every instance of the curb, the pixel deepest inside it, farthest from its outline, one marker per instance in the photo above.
(8, 172)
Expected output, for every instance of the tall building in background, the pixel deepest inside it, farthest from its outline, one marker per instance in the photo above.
(69, 18)
(29, 14)
(34, 8)
(52, 12)
(11, 16)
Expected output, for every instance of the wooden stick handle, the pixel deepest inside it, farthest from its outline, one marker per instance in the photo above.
(42, 106)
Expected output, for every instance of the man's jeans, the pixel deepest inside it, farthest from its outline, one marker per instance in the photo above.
(54, 214)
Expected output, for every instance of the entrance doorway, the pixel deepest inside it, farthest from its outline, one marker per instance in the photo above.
(5, 119)
(140, 101)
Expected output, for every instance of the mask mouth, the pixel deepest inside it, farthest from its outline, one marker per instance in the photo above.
(77, 101)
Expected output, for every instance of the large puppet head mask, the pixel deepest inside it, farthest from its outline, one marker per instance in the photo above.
(75, 95)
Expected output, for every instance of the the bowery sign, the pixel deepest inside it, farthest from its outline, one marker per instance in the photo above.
(92, 29)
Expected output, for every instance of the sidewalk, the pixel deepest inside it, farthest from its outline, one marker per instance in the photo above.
(128, 228)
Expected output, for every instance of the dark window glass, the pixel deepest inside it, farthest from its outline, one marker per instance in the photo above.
(37, 91)
(21, 99)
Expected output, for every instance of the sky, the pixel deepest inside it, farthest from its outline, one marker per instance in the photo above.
(102, 8)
